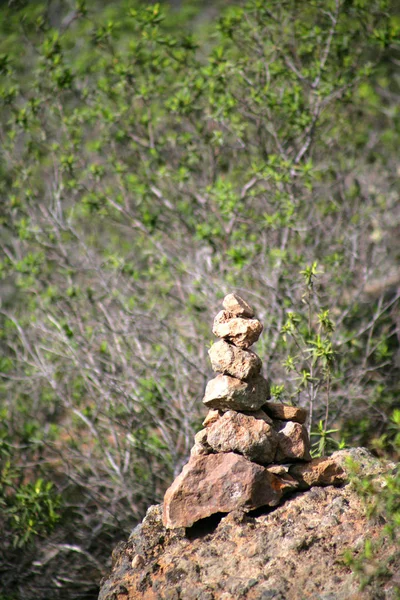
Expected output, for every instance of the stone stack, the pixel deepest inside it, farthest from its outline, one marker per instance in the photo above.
(251, 451)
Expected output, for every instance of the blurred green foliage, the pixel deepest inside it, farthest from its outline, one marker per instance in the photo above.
(153, 160)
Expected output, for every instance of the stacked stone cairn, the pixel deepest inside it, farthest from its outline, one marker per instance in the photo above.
(252, 451)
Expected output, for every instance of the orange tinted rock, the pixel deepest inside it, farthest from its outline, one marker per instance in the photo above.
(237, 306)
(236, 362)
(293, 442)
(245, 434)
(320, 471)
(218, 483)
(285, 412)
(225, 392)
(212, 416)
(240, 332)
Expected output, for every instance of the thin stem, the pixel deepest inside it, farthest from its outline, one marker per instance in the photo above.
(311, 410)
(328, 388)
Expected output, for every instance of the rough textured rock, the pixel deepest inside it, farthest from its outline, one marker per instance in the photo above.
(285, 412)
(201, 445)
(238, 307)
(225, 392)
(212, 416)
(293, 442)
(259, 414)
(280, 470)
(292, 552)
(236, 362)
(321, 471)
(245, 434)
(240, 332)
(218, 483)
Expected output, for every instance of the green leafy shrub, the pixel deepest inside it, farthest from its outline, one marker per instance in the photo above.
(382, 500)
(147, 168)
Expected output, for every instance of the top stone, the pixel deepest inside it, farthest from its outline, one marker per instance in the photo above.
(237, 306)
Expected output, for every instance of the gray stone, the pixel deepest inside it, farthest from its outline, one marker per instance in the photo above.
(201, 445)
(236, 362)
(238, 307)
(240, 332)
(225, 392)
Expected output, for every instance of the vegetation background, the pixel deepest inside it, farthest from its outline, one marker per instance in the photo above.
(152, 160)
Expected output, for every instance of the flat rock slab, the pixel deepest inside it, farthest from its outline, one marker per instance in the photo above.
(285, 412)
(228, 359)
(240, 332)
(238, 307)
(320, 471)
(293, 442)
(225, 392)
(218, 483)
(250, 436)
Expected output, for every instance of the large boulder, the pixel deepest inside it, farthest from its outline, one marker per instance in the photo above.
(218, 483)
(291, 552)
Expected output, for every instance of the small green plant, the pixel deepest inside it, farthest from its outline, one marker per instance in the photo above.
(33, 511)
(382, 501)
(278, 392)
(325, 442)
(311, 359)
(28, 509)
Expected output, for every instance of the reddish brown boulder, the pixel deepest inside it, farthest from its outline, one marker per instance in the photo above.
(285, 412)
(293, 442)
(236, 362)
(218, 483)
(240, 332)
(238, 307)
(320, 471)
(245, 434)
(294, 552)
(225, 392)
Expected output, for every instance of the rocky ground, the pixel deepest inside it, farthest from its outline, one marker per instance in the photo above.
(292, 552)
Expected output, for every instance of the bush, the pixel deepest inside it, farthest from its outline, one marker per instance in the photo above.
(147, 170)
